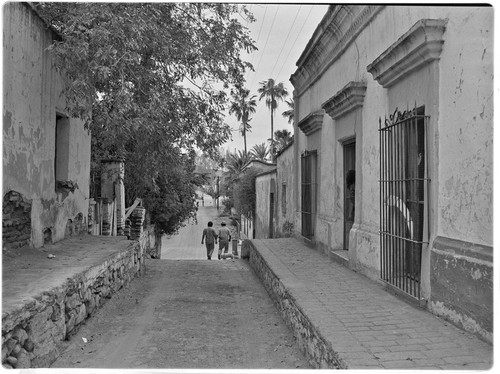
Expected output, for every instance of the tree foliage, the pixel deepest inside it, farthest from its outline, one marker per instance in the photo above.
(282, 139)
(244, 192)
(260, 151)
(149, 80)
(289, 113)
(242, 106)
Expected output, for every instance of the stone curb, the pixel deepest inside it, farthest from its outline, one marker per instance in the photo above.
(318, 350)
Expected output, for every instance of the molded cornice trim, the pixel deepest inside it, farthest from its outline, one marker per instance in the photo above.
(312, 123)
(335, 33)
(347, 99)
(420, 45)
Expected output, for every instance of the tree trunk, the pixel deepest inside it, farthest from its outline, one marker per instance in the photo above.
(272, 137)
(245, 137)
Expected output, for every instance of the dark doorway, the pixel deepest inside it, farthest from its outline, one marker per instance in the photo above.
(308, 183)
(349, 187)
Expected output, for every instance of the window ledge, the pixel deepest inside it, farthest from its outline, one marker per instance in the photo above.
(312, 123)
(422, 44)
(349, 98)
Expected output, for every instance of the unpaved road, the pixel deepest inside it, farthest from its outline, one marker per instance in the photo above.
(196, 314)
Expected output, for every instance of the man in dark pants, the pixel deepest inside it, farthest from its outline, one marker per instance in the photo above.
(210, 238)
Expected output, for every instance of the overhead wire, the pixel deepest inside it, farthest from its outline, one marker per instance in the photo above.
(298, 34)
(286, 40)
(267, 40)
(258, 35)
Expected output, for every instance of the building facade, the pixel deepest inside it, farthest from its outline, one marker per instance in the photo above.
(252, 224)
(46, 154)
(393, 152)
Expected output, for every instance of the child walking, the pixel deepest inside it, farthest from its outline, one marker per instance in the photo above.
(210, 238)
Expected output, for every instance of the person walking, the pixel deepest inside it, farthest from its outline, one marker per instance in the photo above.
(210, 238)
(224, 239)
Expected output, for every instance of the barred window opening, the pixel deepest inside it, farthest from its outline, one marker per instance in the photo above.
(403, 183)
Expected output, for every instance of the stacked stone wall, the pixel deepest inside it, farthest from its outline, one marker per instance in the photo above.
(16, 220)
(150, 240)
(32, 334)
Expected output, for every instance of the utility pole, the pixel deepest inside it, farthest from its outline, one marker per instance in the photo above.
(217, 193)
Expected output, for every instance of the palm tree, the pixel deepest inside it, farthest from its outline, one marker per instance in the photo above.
(283, 138)
(260, 151)
(242, 106)
(289, 113)
(236, 161)
(272, 92)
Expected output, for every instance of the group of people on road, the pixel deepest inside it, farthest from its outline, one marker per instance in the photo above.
(210, 237)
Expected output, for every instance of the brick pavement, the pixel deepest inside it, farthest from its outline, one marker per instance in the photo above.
(353, 318)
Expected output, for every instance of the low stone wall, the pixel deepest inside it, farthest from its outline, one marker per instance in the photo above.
(150, 240)
(31, 335)
(317, 350)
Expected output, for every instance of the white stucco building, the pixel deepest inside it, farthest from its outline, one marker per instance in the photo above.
(393, 152)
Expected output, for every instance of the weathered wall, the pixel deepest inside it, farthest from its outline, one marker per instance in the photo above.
(285, 207)
(151, 241)
(264, 186)
(457, 92)
(462, 285)
(16, 221)
(31, 100)
(31, 334)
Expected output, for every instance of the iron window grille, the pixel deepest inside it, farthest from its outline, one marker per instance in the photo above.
(403, 198)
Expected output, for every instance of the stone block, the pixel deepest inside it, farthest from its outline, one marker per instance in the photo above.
(23, 360)
(20, 335)
(12, 361)
(29, 345)
(81, 315)
(38, 323)
(10, 345)
(72, 302)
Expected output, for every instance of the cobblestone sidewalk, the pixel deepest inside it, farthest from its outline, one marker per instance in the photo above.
(365, 326)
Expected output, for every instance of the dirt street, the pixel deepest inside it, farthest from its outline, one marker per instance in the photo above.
(188, 313)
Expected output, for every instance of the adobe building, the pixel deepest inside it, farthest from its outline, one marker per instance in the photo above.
(252, 224)
(393, 152)
(46, 154)
(274, 210)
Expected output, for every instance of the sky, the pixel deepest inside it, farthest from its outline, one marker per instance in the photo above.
(281, 32)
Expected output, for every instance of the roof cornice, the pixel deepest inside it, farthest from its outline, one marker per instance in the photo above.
(335, 33)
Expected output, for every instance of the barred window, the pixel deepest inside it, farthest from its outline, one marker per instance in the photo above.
(403, 192)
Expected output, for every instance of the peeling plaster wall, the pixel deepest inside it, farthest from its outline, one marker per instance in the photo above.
(31, 100)
(285, 225)
(465, 209)
(462, 285)
(262, 204)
